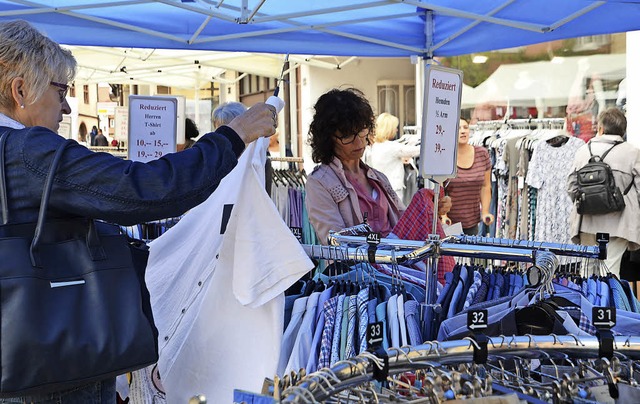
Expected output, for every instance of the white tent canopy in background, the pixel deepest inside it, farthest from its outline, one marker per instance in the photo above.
(469, 97)
(181, 68)
(553, 83)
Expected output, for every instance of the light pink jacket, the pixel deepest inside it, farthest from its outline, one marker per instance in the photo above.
(332, 202)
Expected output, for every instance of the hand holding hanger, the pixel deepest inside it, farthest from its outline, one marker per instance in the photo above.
(444, 219)
(487, 218)
(444, 205)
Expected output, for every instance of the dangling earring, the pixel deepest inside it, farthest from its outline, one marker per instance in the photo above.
(22, 106)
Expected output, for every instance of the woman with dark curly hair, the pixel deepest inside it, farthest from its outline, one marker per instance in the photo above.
(343, 189)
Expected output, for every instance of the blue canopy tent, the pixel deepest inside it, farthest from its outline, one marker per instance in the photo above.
(323, 27)
(381, 28)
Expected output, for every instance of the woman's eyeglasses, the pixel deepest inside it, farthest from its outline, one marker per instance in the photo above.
(363, 134)
(64, 87)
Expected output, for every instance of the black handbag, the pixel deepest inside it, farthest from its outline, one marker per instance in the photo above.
(73, 302)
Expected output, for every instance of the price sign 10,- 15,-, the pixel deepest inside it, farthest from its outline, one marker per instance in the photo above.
(152, 127)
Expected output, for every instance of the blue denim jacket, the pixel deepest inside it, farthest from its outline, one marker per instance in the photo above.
(101, 186)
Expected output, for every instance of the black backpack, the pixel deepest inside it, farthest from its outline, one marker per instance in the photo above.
(597, 190)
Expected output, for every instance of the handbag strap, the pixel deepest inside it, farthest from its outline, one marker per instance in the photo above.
(4, 204)
(44, 202)
(94, 245)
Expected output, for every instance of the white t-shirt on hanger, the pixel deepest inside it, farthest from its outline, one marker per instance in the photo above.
(218, 299)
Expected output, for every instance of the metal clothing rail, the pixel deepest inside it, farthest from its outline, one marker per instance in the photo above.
(325, 383)
(417, 251)
(349, 244)
(116, 151)
(520, 121)
(570, 250)
(288, 159)
(545, 261)
(359, 254)
(467, 246)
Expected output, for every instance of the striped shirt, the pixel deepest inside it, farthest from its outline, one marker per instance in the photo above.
(464, 190)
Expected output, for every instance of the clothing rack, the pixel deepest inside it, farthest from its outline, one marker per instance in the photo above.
(570, 250)
(326, 383)
(116, 151)
(347, 246)
(462, 246)
(416, 251)
(555, 122)
(288, 159)
(450, 362)
(298, 161)
(546, 261)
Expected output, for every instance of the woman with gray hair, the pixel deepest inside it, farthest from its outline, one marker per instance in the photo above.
(225, 113)
(35, 78)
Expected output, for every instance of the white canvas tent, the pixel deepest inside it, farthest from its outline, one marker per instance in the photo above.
(550, 83)
(181, 68)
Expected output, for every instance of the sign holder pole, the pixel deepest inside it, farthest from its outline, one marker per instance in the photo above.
(438, 161)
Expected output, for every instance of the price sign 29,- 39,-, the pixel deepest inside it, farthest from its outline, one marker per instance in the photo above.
(152, 127)
(440, 121)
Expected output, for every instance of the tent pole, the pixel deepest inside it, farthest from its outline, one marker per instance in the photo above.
(428, 308)
(196, 97)
(470, 26)
(452, 12)
(423, 60)
(633, 85)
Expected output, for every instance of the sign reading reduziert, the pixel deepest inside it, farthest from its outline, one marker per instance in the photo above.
(440, 121)
(152, 127)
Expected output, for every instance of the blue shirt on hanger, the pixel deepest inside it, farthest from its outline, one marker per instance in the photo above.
(411, 314)
(620, 300)
(392, 321)
(290, 334)
(351, 349)
(314, 349)
(302, 345)
(381, 316)
(335, 341)
(457, 293)
(605, 298)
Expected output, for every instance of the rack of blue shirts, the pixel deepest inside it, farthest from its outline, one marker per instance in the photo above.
(468, 286)
(328, 318)
(150, 230)
(328, 322)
